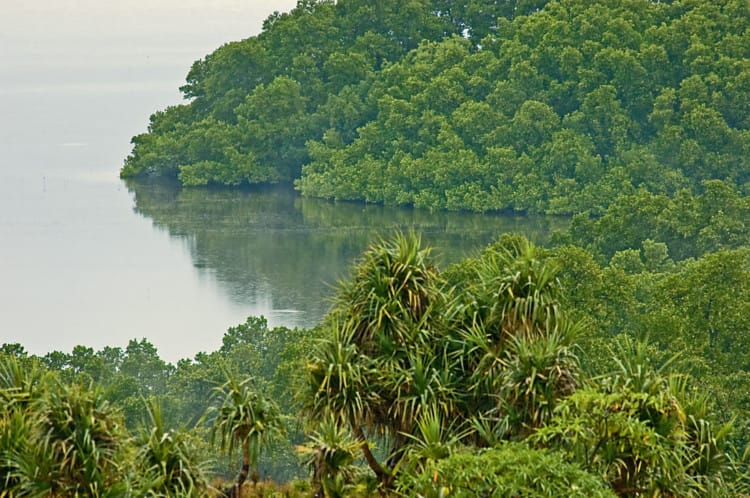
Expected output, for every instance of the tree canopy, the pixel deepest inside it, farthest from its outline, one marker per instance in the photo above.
(534, 106)
(522, 358)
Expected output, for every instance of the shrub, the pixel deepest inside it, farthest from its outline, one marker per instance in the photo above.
(509, 470)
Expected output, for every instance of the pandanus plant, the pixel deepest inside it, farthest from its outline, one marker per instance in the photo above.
(513, 342)
(642, 429)
(168, 464)
(246, 420)
(379, 365)
(331, 454)
(479, 362)
(76, 445)
(22, 383)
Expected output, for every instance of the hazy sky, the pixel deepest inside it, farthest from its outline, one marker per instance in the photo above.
(44, 42)
(72, 69)
(79, 78)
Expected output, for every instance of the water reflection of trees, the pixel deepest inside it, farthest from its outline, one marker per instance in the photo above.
(453, 235)
(271, 248)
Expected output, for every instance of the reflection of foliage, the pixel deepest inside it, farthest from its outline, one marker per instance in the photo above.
(270, 245)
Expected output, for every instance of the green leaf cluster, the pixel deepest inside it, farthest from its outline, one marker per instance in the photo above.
(506, 471)
(425, 369)
(92, 424)
(57, 439)
(559, 111)
(539, 106)
(420, 380)
(641, 427)
(679, 227)
(256, 102)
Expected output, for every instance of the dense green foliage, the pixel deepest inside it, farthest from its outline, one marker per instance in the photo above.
(428, 365)
(154, 420)
(538, 106)
(256, 102)
(246, 419)
(612, 363)
(559, 111)
(420, 381)
(169, 464)
(510, 470)
(642, 428)
(57, 439)
(685, 225)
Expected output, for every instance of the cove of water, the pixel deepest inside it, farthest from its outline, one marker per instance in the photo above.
(86, 259)
(274, 253)
(98, 263)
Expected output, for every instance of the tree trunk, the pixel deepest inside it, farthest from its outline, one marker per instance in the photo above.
(384, 477)
(245, 468)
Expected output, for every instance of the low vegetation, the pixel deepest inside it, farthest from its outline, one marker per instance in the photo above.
(496, 374)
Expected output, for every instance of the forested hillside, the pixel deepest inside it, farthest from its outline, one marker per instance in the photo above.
(556, 107)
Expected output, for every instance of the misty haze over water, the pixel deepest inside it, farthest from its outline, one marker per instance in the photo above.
(87, 259)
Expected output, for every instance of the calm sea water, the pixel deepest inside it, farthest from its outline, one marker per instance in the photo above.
(88, 259)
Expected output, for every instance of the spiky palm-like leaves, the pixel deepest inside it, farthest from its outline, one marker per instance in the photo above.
(244, 419)
(419, 384)
(381, 363)
(403, 347)
(331, 453)
(538, 373)
(167, 461)
(390, 296)
(16, 429)
(641, 428)
(514, 291)
(513, 387)
(434, 438)
(512, 342)
(22, 382)
(76, 446)
(336, 379)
